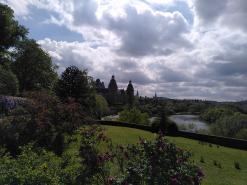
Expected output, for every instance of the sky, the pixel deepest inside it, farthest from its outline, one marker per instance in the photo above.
(186, 49)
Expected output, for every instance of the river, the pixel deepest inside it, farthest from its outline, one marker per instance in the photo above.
(189, 122)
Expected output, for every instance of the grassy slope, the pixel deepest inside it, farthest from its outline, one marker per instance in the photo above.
(228, 175)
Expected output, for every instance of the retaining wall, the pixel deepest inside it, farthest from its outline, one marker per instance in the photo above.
(218, 140)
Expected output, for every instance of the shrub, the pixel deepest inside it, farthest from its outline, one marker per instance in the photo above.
(43, 120)
(230, 126)
(215, 163)
(211, 115)
(242, 134)
(134, 115)
(202, 160)
(101, 107)
(37, 166)
(149, 162)
(165, 125)
(158, 162)
(237, 165)
(8, 82)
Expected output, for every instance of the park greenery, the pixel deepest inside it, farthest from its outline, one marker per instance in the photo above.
(43, 114)
(48, 132)
(226, 121)
(133, 115)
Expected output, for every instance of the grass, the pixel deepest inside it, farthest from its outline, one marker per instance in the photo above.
(225, 174)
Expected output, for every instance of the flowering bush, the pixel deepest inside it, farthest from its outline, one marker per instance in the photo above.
(94, 161)
(158, 162)
(8, 103)
(147, 163)
(44, 120)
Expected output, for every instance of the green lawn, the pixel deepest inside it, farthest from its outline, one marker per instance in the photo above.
(227, 175)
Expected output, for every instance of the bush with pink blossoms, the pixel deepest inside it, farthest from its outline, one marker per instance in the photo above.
(146, 163)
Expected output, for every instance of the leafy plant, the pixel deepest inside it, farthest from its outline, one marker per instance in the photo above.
(237, 165)
(148, 162)
(215, 163)
(134, 115)
(202, 160)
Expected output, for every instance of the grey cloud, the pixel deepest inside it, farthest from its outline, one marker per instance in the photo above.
(230, 68)
(147, 33)
(209, 10)
(126, 70)
(190, 91)
(137, 77)
(170, 75)
(125, 64)
(84, 12)
(232, 61)
(235, 15)
(230, 13)
(166, 74)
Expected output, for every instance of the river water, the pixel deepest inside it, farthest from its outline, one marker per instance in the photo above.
(184, 122)
(189, 122)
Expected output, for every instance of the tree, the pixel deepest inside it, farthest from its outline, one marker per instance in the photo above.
(163, 122)
(112, 91)
(130, 94)
(33, 67)
(76, 84)
(11, 32)
(134, 115)
(101, 107)
(8, 82)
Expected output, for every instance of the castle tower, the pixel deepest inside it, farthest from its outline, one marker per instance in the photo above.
(130, 93)
(112, 91)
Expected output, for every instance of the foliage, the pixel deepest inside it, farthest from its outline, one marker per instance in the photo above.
(130, 94)
(36, 166)
(164, 124)
(242, 134)
(237, 165)
(11, 32)
(159, 162)
(30, 168)
(226, 156)
(94, 161)
(8, 82)
(211, 115)
(112, 91)
(76, 84)
(149, 162)
(43, 120)
(33, 67)
(230, 125)
(101, 106)
(133, 115)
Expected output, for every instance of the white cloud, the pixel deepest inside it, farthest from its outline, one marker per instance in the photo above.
(156, 47)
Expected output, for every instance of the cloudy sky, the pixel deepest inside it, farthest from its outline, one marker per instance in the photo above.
(178, 48)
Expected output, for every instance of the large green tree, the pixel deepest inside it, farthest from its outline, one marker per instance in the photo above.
(10, 31)
(33, 67)
(75, 83)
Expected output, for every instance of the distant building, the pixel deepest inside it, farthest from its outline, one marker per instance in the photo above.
(113, 94)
